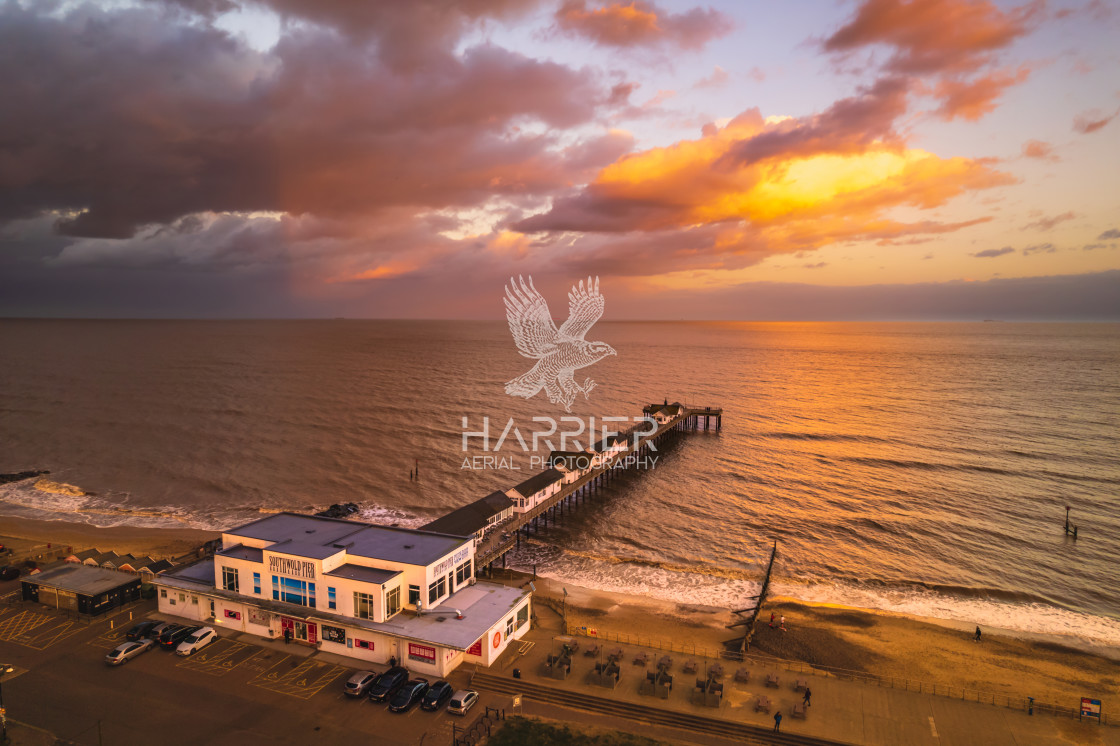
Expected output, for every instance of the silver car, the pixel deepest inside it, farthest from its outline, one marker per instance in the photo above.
(461, 701)
(128, 650)
(357, 684)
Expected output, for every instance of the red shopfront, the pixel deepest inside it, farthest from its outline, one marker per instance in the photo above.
(299, 630)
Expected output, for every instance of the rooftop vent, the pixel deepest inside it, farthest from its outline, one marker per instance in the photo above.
(408, 546)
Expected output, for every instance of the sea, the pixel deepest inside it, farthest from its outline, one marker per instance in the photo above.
(918, 468)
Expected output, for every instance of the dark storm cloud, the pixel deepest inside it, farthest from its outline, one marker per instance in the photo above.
(181, 119)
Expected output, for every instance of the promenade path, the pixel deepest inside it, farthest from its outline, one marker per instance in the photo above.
(841, 711)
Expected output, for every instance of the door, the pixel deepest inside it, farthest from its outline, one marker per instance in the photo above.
(312, 633)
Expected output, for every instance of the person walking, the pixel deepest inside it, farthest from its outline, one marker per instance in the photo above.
(977, 639)
(777, 721)
(808, 694)
(771, 619)
(782, 626)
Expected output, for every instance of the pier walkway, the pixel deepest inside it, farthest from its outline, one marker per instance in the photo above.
(506, 536)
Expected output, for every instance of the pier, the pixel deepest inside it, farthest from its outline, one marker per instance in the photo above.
(607, 457)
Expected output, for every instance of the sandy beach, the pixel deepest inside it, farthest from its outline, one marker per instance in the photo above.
(857, 640)
(24, 533)
(860, 640)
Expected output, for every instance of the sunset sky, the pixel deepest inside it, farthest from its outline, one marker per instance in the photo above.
(877, 159)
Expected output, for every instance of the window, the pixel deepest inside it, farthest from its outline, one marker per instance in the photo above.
(257, 583)
(463, 573)
(437, 590)
(292, 591)
(363, 644)
(509, 627)
(414, 595)
(229, 579)
(163, 593)
(332, 601)
(363, 605)
(522, 616)
(392, 601)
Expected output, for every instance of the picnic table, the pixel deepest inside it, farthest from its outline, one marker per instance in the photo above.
(743, 675)
(665, 663)
(762, 705)
(641, 659)
(772, 680)
(799, 710)
(801, 685)
(614, 653)
(591, 651)
(715, 670)
(690, 667)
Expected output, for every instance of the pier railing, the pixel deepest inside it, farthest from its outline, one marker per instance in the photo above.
(1021, 702)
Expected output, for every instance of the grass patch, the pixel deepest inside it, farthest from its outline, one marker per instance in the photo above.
(520, 731)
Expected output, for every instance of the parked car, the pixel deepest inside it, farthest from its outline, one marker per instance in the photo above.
(436, 695)
(166, 631)
(358, 684)
(143, 629)
(159, 629)
(9, 572)
(388, 683)
(196, 641)
(170, 640)
(461, 701)
(126, 651)
(408, 695)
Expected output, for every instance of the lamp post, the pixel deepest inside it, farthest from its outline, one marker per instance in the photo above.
(5, 669)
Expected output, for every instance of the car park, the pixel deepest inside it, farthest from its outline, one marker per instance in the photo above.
(437, 694)
(196, 641)
(462, 701)
(159, 629)
(126, 651)
(359, 683)
(387, 684)
(170, 640)
(408, 695)
(143, 629)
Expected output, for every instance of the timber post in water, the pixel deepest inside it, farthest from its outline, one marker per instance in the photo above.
(1070, 530)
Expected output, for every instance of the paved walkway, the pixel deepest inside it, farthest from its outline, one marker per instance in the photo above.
(843, 711)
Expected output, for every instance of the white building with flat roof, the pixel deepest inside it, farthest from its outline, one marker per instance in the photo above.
(370, 592)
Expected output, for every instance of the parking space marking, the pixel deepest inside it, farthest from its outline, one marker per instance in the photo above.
(43, 635)
(221, 657)
(21, 623)
(303, 681)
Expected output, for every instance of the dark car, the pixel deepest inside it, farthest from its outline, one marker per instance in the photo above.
(434, 698)
(408, 695)
(9, 572)
(388, 683)
(165, 630)
(143, 629)
(171, 640)
(357, 684)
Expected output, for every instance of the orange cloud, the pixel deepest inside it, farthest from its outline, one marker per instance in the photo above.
(1091, 121)
(802, 199)
(1039, 149)
(641, 24)
(1045, 224)
(973, 99)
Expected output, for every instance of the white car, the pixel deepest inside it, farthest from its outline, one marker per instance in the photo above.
(197, 641)
(127, 651)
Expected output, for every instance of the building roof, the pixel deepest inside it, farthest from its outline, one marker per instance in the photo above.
(471, 517)
(408, 546)
(538, 482)
(88, 581)
(310, 529)
(242, 552)
(364, 574)
(161, 565)
(101, 559)
(570, 460)
(303, 549)
(196, 573)
(85, 554)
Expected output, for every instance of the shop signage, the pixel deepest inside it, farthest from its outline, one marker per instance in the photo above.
(450, 562)
(295, 568)
(334, 634)
(421, 653)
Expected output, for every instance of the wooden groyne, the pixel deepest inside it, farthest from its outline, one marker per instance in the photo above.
(748, 617)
